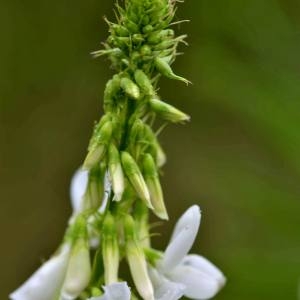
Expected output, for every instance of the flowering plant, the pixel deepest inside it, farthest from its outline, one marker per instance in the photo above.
(119, 182)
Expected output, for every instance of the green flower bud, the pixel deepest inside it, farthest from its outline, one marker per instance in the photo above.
(116, 172)
(79, 267)
(137, 261)
(122, 42)
(98, 145)
(154, 187)
(94, 192)
(137, 38)
(141, 217)
(135, 177)
(130, 88)
(110, 250)
(161, 157)
(131, 26)
(136, 138)
(145, 50)
(154, 147)
(143, 82)
(145, 21)
(111, 90)
(164, 45)
(168, 112)
(164, 68)
(120, 30)
(148, 28)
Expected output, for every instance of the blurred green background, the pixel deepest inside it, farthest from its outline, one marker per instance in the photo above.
(238, 158)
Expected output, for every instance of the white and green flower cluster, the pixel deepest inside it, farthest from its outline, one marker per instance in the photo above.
(119, 182)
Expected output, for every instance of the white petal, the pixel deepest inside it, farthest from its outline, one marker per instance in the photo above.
(199, 285)
(191, 216)
(183, 238)
(77, 189)
(47, 280)
(164, 288)
(204, 265)
(115, 291)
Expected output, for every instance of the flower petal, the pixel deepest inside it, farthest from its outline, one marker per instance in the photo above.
(204, 265)
(182, 240)
(115, 291)
(191, 216)
(164, 288)
(47, 280)
(199, 285)
(77, 189)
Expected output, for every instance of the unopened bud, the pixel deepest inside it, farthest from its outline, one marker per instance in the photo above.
(164, 68)
(135, 177)
(168, 112)
(94, 191)
(131, 26)
(136, 131)
(130, 88)
(137, 261)
(141, 217)
(111, 89)
(110, 250)
(143, 82)
(161, 157)
(79, 267)
(116, 172)
(98, 145)
(120, 30)
(145, 50)
(154, 187)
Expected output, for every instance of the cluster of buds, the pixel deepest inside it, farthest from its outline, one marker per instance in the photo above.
(119, 182)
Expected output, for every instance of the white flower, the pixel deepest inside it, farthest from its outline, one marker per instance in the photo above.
(78, 187)
(78, 272)
(164, 288)
(46, 282)
(115, 291)
(202, 280)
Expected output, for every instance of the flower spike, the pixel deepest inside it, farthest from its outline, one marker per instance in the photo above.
(118, 187)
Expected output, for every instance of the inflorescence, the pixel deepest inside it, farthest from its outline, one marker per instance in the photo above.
(119, 182)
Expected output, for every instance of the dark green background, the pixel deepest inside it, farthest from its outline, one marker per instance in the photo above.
(238, 158)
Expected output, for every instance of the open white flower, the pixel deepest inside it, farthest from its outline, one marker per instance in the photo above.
(201, 279)
(46, 282)
(115, 291)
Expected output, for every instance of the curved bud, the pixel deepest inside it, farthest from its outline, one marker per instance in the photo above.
(98, 145)
(137, 261)
(154, 187)
(110, 250)
(168, 112)
(79, 267)
(143, 82)
(130, 88)
(135, 177)
(116, 172)
(164, 68)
